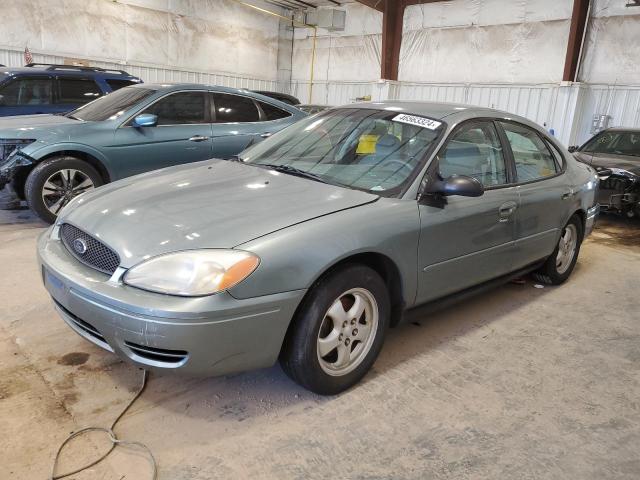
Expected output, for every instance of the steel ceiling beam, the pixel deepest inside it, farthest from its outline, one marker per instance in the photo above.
(577, 30)
(392, 23)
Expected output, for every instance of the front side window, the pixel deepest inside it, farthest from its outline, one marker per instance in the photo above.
(614, 143)
(27, 91)
(234, 108)
(77, 90)
(363, 149)
(180, 108)
(111, 106)
(475, 151)
(531, 155)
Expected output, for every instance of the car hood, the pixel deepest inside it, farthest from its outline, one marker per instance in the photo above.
(601, 160)
(36, 126)
(212, 204)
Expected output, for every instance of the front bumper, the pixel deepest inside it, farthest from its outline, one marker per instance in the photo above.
(212, 335)
(590, 221)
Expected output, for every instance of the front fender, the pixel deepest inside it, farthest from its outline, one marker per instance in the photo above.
(41, 152)
(295, 257)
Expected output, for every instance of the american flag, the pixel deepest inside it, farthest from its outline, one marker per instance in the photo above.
(28, 58)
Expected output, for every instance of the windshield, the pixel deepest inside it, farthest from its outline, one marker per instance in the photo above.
(372, 150)
(111, 106)
(616, 143)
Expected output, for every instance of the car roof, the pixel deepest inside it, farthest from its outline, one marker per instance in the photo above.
(622, 130)
(438, 110)
(452, 112)
(168, 87)
(67, 70)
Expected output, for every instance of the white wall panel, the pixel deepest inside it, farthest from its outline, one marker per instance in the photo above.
(203, 35)
(521, 41)
(612, 47)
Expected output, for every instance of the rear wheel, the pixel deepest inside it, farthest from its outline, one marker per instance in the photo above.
(560, 264)
(55, 182)
(338, 331)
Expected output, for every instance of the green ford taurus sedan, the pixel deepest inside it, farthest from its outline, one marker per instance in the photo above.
(316, 240)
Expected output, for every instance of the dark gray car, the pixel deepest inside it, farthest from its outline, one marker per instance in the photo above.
(615, 154)
(317, 241)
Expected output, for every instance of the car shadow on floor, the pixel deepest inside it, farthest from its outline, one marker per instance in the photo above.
(269, 392)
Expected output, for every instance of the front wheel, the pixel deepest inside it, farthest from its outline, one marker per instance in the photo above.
(338, 331)
(54, 182)
(560, 264)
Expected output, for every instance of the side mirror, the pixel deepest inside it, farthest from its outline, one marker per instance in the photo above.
(457, 185)
(145, 120)
(573, 148)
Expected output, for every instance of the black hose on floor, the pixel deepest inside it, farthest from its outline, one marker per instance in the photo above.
(112, 436)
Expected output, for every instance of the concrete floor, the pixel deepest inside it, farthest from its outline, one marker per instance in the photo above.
(521, 383)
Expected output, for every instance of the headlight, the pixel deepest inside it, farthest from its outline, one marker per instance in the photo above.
(11, 145)
(193, 273)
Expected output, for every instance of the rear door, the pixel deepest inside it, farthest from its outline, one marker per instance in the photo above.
(182, 135)
(465, 241)
(544, 191)
(241, 121)
(27, 96)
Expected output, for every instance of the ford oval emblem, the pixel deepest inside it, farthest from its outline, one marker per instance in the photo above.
(80, 246)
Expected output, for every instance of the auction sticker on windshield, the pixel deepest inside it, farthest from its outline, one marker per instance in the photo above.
(417, 121)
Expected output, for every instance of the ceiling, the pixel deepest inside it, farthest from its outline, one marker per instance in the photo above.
(306, 4)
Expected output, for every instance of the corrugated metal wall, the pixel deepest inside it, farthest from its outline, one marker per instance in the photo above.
(148, 73)
(568, 110)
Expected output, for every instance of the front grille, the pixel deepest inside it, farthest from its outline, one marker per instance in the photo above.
(157, 354)
(88, 250)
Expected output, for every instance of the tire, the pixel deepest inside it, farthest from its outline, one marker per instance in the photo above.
(56, 172)
(554, 272)
(319, 320)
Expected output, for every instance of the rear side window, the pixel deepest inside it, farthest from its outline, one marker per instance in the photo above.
(27, 91)
(273, 113)
(234, 108)
(531, 155)
(77, 90)
(118, 84)
(180, 108)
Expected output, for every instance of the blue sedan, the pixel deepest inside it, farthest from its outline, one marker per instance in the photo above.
(50, 159)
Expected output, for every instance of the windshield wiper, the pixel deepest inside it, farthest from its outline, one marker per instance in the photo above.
(288, 169)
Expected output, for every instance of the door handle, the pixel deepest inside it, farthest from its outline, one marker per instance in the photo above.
(506, 210)
(198, 138)
(266, 135)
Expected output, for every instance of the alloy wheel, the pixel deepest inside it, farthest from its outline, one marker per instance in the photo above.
(347, 332)
(62, 186)
(566, 248)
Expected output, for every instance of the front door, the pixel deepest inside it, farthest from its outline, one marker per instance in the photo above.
(467, 240)
(182, 135)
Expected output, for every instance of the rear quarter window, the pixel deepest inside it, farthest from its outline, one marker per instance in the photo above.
(273, 113)
(117, 84)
